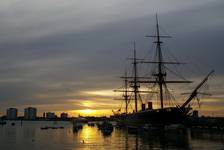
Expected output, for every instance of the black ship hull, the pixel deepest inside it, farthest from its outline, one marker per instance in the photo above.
(167, 116)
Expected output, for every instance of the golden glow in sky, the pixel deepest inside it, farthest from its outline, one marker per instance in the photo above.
(100, 93)
(87, 112)
(91, 112)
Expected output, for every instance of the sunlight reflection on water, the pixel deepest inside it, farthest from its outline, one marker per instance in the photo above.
(29, 136)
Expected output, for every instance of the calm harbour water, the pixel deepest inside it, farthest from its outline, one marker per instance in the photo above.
(29, 136)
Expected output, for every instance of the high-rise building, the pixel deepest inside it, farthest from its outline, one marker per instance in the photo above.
(44, 115)
(11, 113)
(30, 113)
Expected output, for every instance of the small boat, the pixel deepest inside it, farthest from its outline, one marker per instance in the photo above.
(43, 128)
(2, 122)
(106, 128)
(53, 127)
(77, 126)
(107, 132)
(98, 124)
(91, 124)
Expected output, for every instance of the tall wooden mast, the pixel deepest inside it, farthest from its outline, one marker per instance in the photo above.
(126, 96)
(161, 72)
(160, 75)
(135, 86)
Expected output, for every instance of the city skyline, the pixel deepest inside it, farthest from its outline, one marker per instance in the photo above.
(68, 56)
(30, 113)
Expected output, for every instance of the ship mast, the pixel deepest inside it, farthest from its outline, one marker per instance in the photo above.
(126, 96)
(160, 75)
(135, 86)
(125, 91)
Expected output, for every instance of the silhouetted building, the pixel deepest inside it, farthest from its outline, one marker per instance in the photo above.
(30, 113)
(44, 115)
(143, 107)
(195, 114)
(150, 105)
(50, 115)
(11, 113)
(64, 116)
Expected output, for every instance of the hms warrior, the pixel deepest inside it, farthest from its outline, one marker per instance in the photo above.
(163, 115)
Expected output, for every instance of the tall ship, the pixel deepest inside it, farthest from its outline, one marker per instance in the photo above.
(158, 82)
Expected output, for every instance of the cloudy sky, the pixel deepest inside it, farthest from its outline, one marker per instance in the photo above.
(68, 55)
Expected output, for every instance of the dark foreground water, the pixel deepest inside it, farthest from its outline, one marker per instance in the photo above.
(29, 136)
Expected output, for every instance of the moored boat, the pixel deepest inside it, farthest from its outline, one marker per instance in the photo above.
(106, 128)
(2, 122)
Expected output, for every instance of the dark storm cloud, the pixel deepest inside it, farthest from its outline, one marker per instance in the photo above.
(50, 55)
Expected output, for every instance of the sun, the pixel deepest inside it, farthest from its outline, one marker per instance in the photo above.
(87, 112)
(91, 112)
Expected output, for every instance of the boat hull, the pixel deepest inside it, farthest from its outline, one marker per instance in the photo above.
(172, 115)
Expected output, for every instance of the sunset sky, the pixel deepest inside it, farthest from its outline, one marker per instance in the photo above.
(68, 55)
